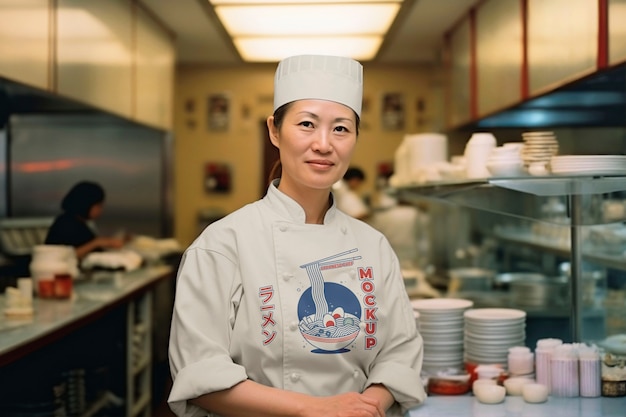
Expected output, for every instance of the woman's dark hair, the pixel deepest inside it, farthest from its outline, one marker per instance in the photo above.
(279, 116)
(82, 197)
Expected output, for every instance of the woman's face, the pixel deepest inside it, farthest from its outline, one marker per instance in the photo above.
(316, 141)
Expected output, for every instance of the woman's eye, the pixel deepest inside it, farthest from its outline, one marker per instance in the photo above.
(306, 123)
(341, 129)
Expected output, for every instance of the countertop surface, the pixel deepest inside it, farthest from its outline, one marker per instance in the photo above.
(90, 297)
(469, 406)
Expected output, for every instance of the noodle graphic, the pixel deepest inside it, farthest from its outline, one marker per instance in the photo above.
(330, 331)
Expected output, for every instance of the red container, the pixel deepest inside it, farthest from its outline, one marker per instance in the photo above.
(45, 288)
(448, 385)
(63, 286)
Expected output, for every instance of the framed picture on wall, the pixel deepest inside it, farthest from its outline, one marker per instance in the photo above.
(218, 112)
(392, 111)
(217, 177)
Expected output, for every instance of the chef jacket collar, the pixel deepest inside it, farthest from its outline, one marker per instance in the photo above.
(287, 207)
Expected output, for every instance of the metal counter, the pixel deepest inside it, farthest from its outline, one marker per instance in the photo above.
(54, 319)
(469, 406)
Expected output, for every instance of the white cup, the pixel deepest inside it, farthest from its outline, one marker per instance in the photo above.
(25, 286)
(482, 138)
(535, 393)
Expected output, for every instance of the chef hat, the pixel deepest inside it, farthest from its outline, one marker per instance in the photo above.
(319, 77)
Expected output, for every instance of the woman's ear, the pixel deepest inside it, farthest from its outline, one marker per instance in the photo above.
(273, 131)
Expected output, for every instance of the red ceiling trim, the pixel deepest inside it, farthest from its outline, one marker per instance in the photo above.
(603, 34)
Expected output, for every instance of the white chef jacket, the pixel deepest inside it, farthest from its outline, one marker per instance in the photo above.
(251, 291)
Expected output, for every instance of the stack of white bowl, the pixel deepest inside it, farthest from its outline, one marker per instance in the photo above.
(441, 327)
(506, 160)
(417, 158)
(539, 148)
(490, 332)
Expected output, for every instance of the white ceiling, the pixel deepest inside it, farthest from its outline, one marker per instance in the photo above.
(416, 36)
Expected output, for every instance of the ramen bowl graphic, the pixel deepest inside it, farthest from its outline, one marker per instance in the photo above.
(330, 338)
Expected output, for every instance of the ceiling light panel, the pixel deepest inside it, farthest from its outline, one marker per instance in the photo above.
(321, 19)
(300, 2)
(266, 31)
(274, 49)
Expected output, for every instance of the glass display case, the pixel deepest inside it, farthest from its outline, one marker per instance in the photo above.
(568, 228)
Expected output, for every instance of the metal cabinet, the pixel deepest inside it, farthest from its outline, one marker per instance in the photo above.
(499, 46)
(460, 83)
(24, 42)
(94, 47)
(561, 49)
(154, 72)
(617, 34)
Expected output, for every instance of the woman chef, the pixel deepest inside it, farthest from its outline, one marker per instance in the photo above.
(289, 307)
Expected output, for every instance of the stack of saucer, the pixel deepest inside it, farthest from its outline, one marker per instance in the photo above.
(588, 164)
(441, 327)
(539, 147)
(490, 332)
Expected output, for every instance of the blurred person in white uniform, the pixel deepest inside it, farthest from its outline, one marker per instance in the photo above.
(407, 228)
(346, 191)
(288, 306)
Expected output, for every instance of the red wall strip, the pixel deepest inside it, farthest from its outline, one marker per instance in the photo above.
(603, 34)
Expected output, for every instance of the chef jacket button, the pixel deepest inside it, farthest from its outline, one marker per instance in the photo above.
(294, 377)
(293, 325)
(353, 273)
(344, 230)
(287, 277)
(355, 374)
(283, 227)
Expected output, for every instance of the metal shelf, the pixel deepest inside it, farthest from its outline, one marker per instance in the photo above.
(490, 194)
(561, 186)
(611, 261)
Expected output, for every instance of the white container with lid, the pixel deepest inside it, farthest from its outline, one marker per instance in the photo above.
(590, 369)
(521, 360)
(477, 152)
(564, 377)
(51, 260)
(543, 354)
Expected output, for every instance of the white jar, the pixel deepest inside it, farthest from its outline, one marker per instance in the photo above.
(521, 360)
(477, 152)
(590, 369)
(48, 261)
(564, 377)
(543, 354)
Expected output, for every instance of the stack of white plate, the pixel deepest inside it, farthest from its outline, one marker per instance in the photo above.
(490, 332)
(539, 147)
(588, 164)
(441, 327)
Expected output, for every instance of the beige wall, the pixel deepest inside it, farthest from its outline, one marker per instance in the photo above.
(250, 91)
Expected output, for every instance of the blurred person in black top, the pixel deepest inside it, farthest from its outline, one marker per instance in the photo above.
(83, 203)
